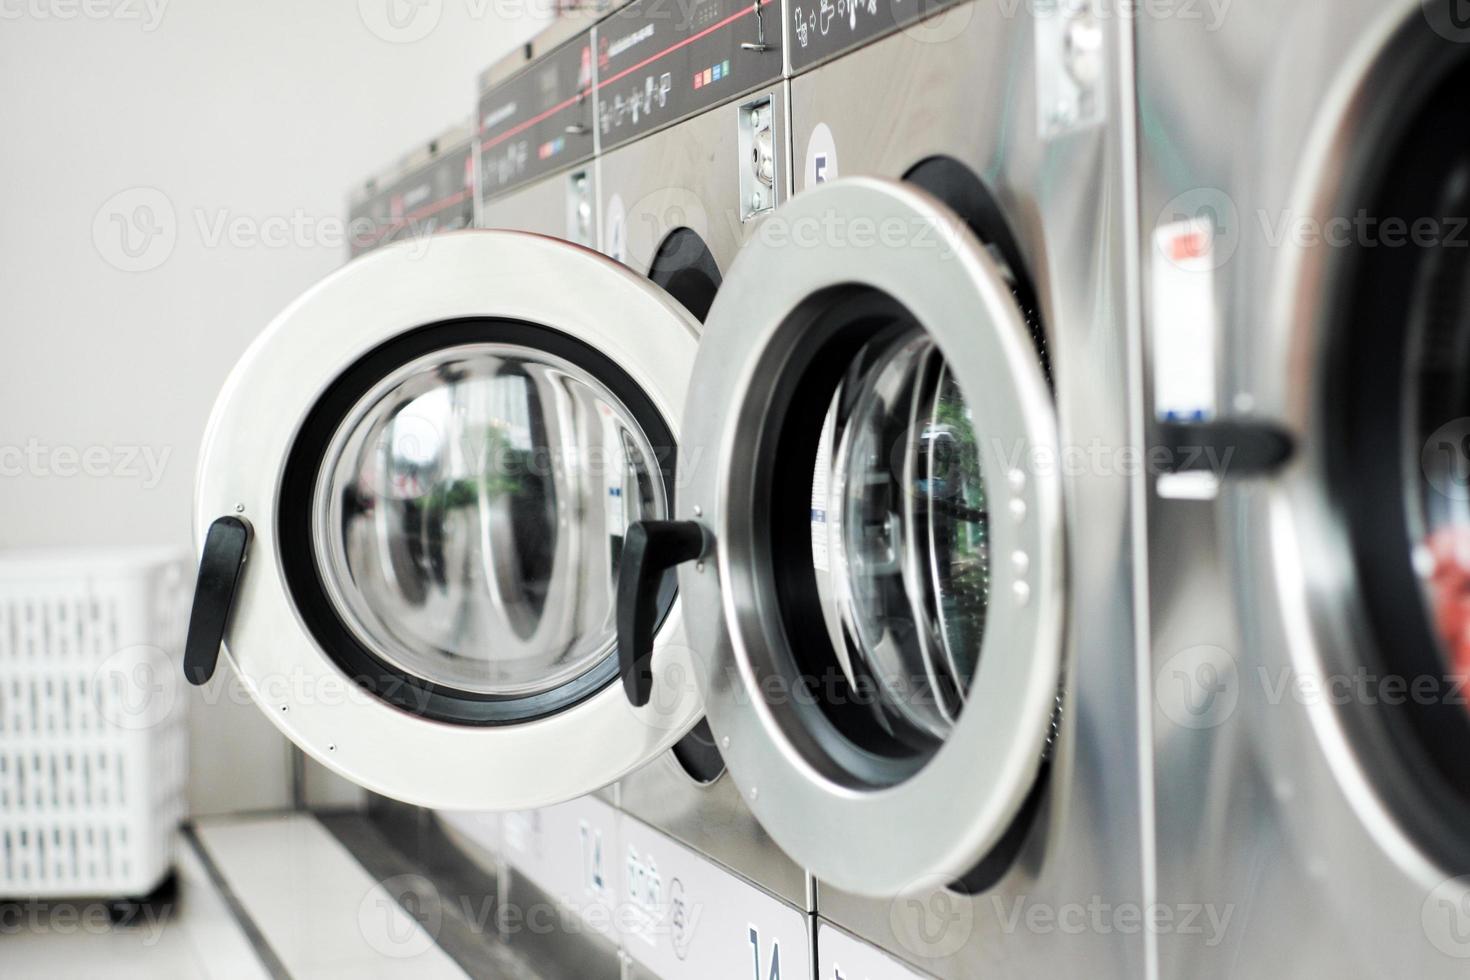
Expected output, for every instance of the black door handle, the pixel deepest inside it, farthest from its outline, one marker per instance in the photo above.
(1227, 447)
(214, 596)
(650, 549)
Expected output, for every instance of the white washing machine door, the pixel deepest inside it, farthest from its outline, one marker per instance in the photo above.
(870, 481)
(413, 496)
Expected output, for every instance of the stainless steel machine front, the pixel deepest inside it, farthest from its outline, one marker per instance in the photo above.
(1017, 127)
(676, 205)
(909, 621)
(1303, 180)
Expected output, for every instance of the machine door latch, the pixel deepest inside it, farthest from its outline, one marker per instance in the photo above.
(650, 549)
(214, 596)
(1228, 448)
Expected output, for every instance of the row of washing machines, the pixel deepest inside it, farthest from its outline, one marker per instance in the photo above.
(954, 489)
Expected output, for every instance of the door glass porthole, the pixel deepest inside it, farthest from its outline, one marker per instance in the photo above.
(461, 518)
(469, 513)
(900, 536)
(883, 581)
(1398, 446)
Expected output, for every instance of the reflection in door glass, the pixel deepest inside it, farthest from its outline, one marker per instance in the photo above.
(900, 536)
(470, 514)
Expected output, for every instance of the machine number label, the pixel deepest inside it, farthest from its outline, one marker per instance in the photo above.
(689, 917)
(564, 850)
(755, 948)
(1182, 314)
(821, 157)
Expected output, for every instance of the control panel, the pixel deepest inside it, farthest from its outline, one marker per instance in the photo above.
(821, 29)
(538, 121)
(660, 60)
(429, 197)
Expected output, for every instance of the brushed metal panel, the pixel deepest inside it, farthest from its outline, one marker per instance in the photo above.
(972, 97)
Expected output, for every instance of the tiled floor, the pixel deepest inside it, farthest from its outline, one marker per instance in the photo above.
(318, 910)
(200, 940)
(314, 910)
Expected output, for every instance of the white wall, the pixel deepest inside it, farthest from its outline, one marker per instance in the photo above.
(263, 113)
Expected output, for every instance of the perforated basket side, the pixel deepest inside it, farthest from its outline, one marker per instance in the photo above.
(92, 734)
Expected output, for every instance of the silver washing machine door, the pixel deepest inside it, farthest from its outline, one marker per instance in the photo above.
(412, 500)
(870, 509)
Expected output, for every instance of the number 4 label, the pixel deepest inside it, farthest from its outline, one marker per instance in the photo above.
(592, 859)
(774, 973)
(821, 157)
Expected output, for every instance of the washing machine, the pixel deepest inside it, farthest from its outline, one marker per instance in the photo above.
(693, 155)
(918, 529)
(1307, 585)
(514, 523)
(536, 139)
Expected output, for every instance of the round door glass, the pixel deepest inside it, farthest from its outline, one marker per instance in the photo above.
(900, 537)
(470, 514)
(1395, 416)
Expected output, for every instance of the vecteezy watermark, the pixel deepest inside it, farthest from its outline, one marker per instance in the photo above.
(1103, 459)
(1201, 687)
(218, 227)
(1363, 229)
(125, 462)
(1445, 917)
(839, 230)
(401, 916)
(1198, 687)
(138, 229)
(1206, 920)
(135, 230)
(148, 14)
(1220, 219)
(137, 688)
(1216, 215)
(1362, 687)
(1445, 459)
(401, 21)
(1210, 13)
(71, 918)
(930, 921)
(410, 21)
(1450, 19)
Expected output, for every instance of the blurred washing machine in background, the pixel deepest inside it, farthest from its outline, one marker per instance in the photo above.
(948, 612)
(1307, 330)
(691, 116)
(429, 191)
(535, 131)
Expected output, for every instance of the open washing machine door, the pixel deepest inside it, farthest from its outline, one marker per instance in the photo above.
(870, 512)
(413, 497)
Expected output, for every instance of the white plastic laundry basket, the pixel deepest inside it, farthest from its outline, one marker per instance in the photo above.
(92, 740)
